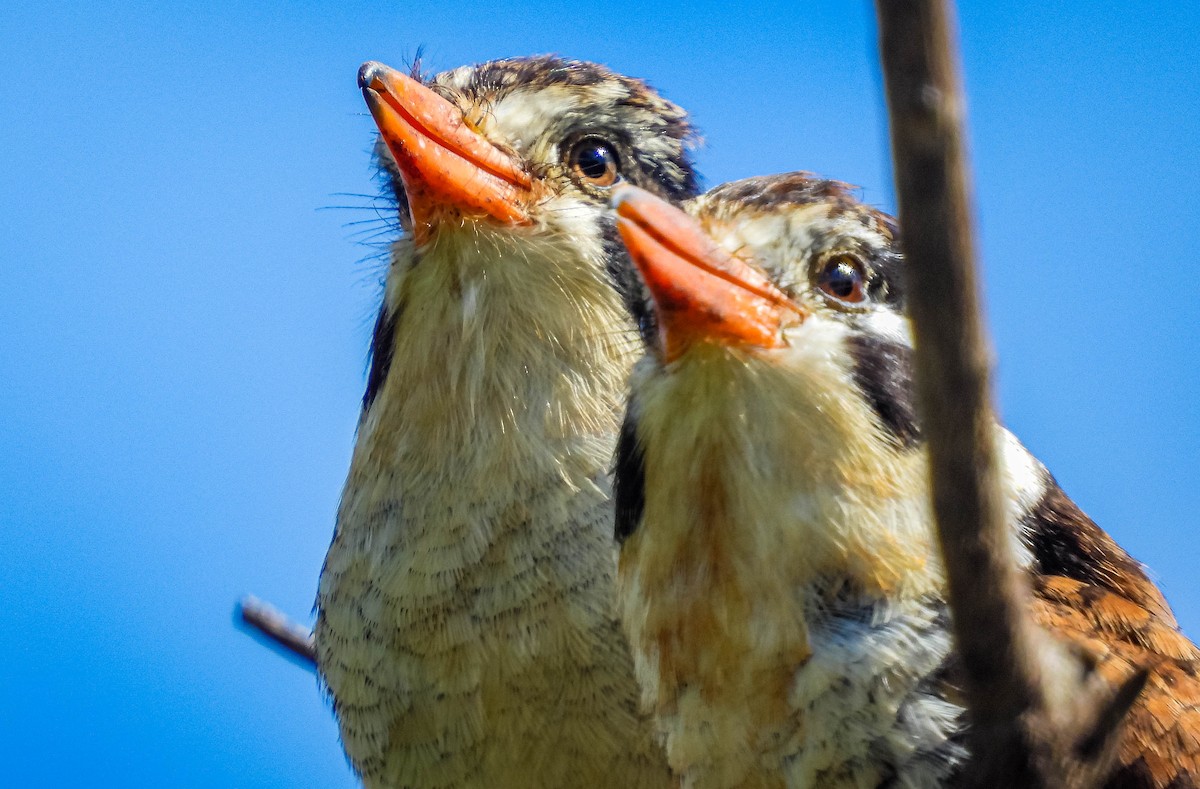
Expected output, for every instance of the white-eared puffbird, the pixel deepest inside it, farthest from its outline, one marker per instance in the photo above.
(467, 629)
(779, 577)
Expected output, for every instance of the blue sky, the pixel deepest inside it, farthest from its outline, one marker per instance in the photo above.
(185, 329)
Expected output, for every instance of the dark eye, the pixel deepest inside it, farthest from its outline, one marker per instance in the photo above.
(844, 278)
(593, 161)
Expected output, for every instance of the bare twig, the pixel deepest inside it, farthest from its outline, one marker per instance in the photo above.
(270, 623)
(1017, 739)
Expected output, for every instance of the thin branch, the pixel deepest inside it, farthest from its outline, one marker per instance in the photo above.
(952, 359)
(1017, 739)
(271, 624)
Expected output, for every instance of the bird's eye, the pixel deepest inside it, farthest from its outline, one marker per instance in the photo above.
(844, 278)
(593, 161)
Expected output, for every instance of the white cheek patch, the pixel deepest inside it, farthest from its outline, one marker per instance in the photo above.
(818, 343)
(575, 220)
(889, 325)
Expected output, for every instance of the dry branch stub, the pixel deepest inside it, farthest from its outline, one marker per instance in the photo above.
(271, 624)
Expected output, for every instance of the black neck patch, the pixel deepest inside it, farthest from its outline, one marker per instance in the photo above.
(629, 478)
(383, 346)
(883, 370)
(625, 280)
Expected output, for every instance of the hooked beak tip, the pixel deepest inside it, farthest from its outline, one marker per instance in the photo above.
(444, 161)
(367, 73)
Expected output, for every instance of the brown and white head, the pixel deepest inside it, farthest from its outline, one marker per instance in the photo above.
(779, 576)
(502, 173)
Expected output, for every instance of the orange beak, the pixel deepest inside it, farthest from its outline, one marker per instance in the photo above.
(701, 292)
(443, 161)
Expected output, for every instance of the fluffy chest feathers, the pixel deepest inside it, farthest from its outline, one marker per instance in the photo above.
(498, 413)
(783, 594)
(466, 603)
(495, 336)
(779, 467)
(784, 557)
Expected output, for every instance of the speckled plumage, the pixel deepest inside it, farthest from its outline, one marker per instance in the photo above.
(466, 626)
(779, 578)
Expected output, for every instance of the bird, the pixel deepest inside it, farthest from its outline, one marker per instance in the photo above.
(779, 577)
(466, 625)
